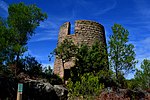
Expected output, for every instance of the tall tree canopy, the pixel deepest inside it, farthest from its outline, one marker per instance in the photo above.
(17, 30)
(7, 42)
(24, 19)
(121, 53)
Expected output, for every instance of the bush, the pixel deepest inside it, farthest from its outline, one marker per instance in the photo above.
(88, 86)
(132, 84)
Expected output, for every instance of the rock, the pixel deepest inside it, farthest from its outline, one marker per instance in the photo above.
(61, 92)
(43, 90)
(124, 94)
(48, 87)
(39, 90)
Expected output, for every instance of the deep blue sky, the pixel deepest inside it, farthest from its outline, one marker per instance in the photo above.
(133, 15)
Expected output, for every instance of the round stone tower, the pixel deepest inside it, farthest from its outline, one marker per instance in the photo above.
(86, 32)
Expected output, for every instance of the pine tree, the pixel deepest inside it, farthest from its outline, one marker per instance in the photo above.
(121, 53)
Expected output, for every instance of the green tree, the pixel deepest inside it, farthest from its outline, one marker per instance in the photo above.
(121, 53)
(142, 77)
(65, 51)
(48, 71)
(90, 73)
(3, 42)
(30, 66)
(24, 19)
(7, 43)
(20, 26)
(90, 60)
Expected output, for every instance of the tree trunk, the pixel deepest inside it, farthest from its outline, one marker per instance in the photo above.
(17, 60)
(116, 73)
(63, 65)
(116, 65)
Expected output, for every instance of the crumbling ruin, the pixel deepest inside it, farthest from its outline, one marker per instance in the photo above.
(85, 31)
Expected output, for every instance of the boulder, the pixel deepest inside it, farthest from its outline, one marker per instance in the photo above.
(43, 90)
(61, 92)
(33, 89)
(39, 90)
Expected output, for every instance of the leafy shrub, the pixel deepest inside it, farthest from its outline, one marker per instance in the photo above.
(132, 84)
(88, 86)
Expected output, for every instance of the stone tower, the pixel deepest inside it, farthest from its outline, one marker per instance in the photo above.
(86, 32)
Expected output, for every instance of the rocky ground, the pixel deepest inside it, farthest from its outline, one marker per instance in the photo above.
(124, 94)
(33, 89)
(40, 89)
(121, 94)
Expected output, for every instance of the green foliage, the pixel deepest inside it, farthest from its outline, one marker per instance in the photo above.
(88, 86)
(55, 80)
(121, 53)
(31, 66)
(85, 78)
(16, 31)
(89, 60)
(142, 77)
(7, 42)
(121, 81)
(48, 71)
(106, 77)
(50, 76)
(132, 84)
(65, 50)
(24, 19)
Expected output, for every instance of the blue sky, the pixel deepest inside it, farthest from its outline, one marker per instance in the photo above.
(133, 15)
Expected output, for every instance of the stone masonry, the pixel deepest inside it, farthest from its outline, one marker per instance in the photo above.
(86, 32)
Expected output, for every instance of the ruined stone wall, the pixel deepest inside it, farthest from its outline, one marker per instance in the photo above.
(85, 32)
